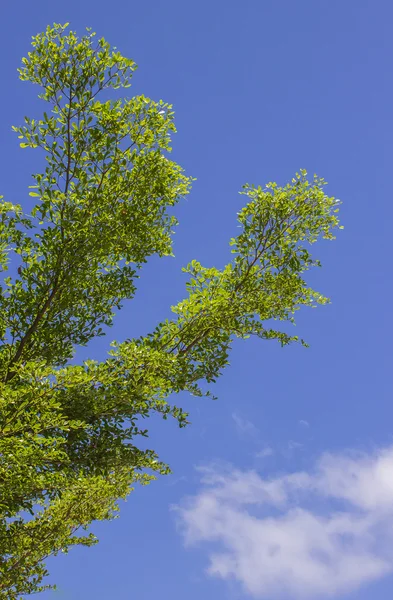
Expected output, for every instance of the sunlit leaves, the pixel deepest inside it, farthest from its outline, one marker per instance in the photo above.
(103, 198)
(103, 204)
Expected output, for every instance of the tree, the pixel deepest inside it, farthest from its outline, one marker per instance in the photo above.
(68, 433)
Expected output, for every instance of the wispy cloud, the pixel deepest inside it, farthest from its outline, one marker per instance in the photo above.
(243, 426)
(304, 535)
(176, 480)
(292, 445)
(265, 452)
(304, 423)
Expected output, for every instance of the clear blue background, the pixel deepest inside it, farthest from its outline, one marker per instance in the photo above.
(261, 89)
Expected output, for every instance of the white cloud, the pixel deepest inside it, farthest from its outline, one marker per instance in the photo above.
(265, 452)
(304, 423)
(243, 426)
(294, 445)
(303, 535)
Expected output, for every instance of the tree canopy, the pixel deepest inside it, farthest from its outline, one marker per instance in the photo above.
(104, 204)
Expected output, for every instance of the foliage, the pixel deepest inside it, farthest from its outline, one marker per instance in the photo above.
(68, 433)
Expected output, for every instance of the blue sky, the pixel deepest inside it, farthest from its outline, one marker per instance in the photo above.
(295, 459)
